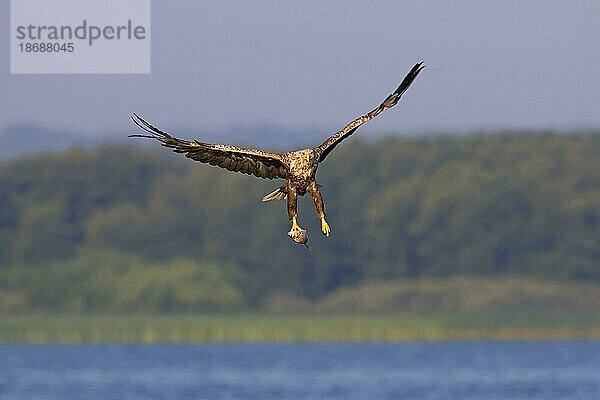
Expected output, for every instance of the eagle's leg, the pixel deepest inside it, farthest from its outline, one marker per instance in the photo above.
(292, 208)
(313, 189)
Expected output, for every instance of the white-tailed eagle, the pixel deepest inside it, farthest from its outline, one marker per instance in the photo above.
(298, 168)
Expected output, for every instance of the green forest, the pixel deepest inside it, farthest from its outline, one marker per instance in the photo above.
(138, 228)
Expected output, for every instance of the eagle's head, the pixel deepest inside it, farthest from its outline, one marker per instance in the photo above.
(299, 236)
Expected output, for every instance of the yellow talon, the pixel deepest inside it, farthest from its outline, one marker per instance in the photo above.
(295, 226)
(325, 227)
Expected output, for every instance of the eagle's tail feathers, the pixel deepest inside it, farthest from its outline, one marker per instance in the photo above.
(277, 194)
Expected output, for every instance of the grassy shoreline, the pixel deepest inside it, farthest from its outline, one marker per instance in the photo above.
(47, 328)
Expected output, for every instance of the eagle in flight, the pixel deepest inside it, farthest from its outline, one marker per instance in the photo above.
(298, 168)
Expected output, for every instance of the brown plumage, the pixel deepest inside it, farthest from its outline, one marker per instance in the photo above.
(298, 168)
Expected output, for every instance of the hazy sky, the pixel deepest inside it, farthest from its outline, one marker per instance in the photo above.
(490, 64)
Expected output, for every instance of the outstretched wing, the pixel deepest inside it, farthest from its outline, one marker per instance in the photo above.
(329, 144)
(237, 159)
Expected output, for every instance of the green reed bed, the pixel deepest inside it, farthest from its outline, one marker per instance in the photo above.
(293, 328)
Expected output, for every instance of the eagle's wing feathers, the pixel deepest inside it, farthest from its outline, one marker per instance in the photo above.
(262, 164)
(328, 145)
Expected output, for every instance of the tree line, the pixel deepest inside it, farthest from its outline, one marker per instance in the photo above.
(513, 203)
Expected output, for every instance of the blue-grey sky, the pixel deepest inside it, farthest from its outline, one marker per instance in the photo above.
(490, 64)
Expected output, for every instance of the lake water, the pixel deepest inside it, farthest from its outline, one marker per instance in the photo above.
(473, 370)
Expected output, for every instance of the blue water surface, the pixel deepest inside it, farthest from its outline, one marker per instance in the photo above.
(472, 370)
